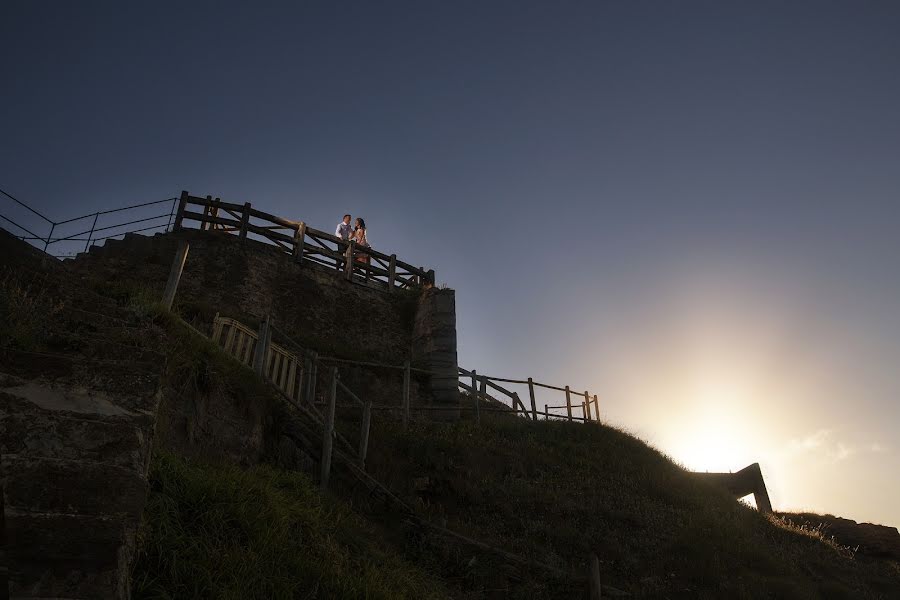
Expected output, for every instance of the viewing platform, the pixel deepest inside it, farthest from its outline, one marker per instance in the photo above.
(308, 246)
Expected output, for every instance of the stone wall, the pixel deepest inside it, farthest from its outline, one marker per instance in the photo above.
(434, 347)
(316, 307)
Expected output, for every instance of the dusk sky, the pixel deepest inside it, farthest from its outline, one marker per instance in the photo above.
(691, 209)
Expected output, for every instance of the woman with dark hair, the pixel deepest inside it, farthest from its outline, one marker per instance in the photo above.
(359, 236)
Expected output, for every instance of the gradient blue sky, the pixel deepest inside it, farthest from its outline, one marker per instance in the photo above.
(690, 208)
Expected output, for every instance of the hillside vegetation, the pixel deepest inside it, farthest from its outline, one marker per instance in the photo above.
(549, 492)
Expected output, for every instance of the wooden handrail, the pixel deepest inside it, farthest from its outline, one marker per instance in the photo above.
(322, 248)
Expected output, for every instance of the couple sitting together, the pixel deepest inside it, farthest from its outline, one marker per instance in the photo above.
(355, 233)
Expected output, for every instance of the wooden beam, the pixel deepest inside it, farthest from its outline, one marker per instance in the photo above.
(587, 405)
(568, 403)
(175, 273)
(364, 433)
(179, 216)
(533, 403)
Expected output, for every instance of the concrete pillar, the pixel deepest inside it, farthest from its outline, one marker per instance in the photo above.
(434, 348)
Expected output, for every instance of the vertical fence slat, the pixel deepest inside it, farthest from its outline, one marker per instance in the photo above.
(587, 405)
(568, 403)
(596, 407)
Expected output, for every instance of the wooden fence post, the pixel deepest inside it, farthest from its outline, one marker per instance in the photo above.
(475, 396)
(517, 403)
(392, 272)
(207, 211)
(405, 401)
(596, 408)
(175, 273)
(587, 405)
(594, 577)
(313, 374)
(568, 404)
(364, 433)
(262, 347)
(298, 242)
(546, 413)
(215, 212)
(179, 216)
(245, 220)
(348, 261)
(531, 393)
(328, 437)
(304, 373)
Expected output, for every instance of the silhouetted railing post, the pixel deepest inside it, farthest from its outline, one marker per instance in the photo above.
(298, 242)
(348, 261)
(568, 404)
(175, 274)
(587, 405)
(49, 236)
(182, 205)
(475, 396)
(392, 272)
(245, 220)
(207, 212)
(328, 436)
(91, 234)
(531, 394)
(596, 408)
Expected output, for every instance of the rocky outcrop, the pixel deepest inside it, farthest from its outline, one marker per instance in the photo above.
(868, 539)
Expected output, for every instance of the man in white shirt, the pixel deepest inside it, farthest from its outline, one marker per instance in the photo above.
(344, 230)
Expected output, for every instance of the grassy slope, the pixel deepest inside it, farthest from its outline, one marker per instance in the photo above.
(226, 532)
(556, 492)
(550, 491)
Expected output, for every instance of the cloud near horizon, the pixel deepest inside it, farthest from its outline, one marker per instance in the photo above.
(824, 443)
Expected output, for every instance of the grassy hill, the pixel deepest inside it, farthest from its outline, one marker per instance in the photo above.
(549, 492)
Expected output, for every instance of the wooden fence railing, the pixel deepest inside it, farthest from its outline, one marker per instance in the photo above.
(478, 385)
(307, 245)
(281, 367)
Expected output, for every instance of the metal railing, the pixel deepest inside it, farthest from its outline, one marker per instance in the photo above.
(66, 236)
